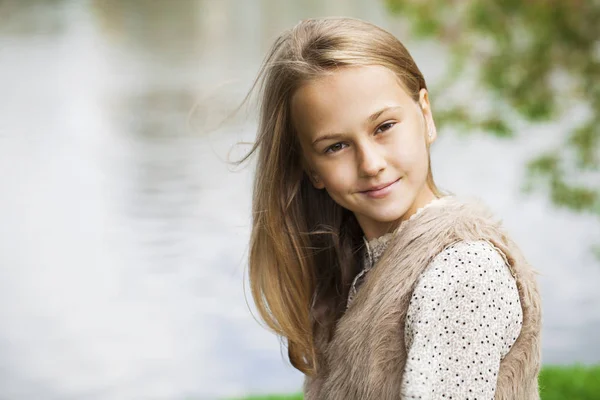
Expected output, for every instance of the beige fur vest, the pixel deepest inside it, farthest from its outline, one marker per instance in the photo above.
(365, 359)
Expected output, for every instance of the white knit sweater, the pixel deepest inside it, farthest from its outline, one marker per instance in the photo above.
(464, 316)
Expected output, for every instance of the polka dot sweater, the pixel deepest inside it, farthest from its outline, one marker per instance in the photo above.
(464, 315)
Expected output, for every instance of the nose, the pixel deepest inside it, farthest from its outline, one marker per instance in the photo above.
(371, 159)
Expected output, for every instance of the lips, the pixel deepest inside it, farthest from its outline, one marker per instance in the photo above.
(379, 187)
(380, 191)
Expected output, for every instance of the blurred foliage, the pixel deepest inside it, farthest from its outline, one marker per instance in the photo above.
(576, 382)
(539, 60)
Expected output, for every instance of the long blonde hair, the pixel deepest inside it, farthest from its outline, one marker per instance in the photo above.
(304, 248)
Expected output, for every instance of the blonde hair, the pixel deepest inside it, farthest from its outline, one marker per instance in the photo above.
(304, 248)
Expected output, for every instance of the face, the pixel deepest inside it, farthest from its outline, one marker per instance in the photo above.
(365, 141)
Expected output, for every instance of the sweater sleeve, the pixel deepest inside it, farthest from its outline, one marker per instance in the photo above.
(463, 318)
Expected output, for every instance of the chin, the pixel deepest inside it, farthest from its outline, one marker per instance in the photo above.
(391, 216)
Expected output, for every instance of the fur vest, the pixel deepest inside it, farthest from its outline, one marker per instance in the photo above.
(365, 358)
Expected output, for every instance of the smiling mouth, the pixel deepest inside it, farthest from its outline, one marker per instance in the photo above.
(379, 188)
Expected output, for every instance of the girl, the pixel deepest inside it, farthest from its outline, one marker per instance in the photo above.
(383, 286)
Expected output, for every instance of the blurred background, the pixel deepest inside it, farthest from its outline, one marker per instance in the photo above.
(124, 233)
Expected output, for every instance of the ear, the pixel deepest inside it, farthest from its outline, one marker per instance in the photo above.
(317, 182)
(315, 179)
(430, 129)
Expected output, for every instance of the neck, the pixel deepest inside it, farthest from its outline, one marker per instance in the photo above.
(373, 230)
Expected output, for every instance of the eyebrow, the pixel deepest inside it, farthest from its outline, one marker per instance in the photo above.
(370, 119)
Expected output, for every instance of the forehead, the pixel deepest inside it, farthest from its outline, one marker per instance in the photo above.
(344, 99)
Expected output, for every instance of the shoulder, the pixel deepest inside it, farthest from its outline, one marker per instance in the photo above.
(454, 219)
(468, 252)
(465, 208)
(469, 262)
(460, 217)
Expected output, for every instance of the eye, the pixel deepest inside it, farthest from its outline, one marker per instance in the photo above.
(384, 127)
(335, 147)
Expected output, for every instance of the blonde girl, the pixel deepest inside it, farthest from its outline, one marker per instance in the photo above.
(383, 286)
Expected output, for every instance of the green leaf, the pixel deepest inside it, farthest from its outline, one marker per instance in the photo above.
(586, 141)
(497, 126)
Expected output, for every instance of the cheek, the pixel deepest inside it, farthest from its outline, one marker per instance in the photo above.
(411, 155)
(337, 175)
